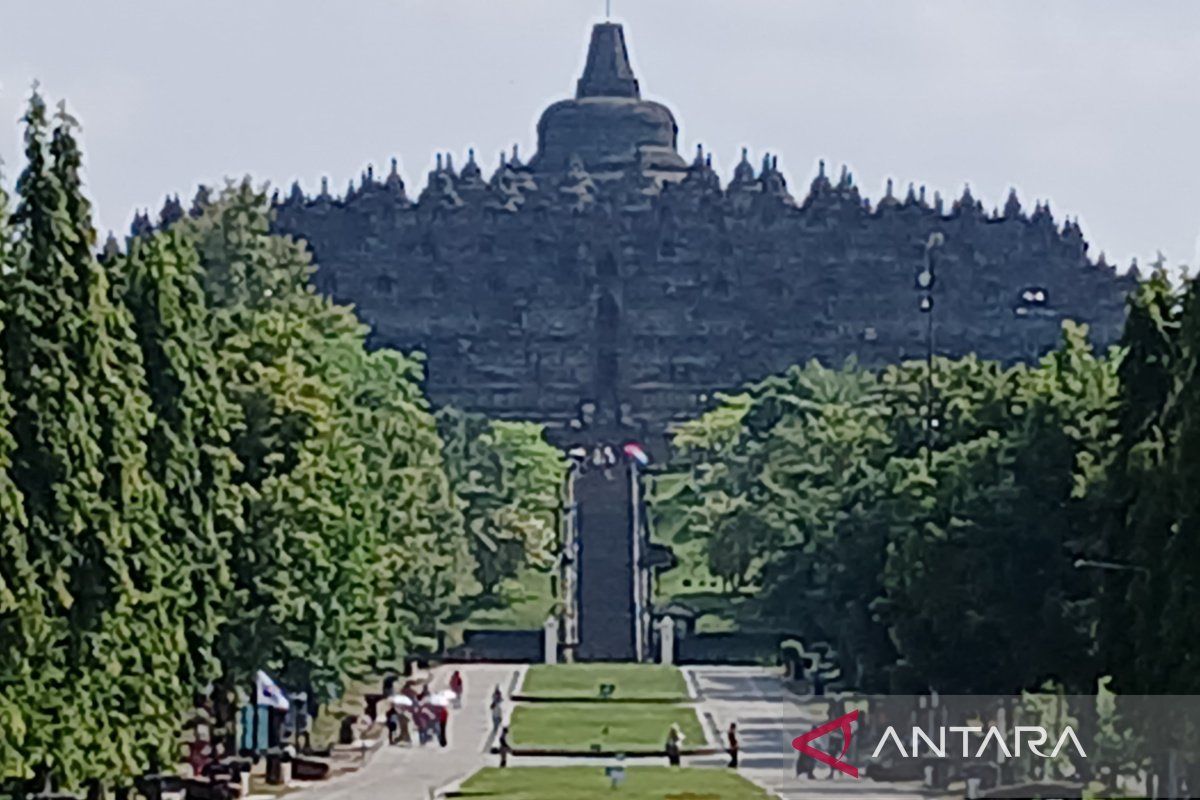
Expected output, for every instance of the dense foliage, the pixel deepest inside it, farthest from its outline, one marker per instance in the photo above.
(204, 472)
(509, 481)
(951, 566)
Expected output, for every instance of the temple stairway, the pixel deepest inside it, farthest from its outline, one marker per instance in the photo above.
(606, 573)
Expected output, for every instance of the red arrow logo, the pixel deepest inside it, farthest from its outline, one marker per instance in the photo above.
(801, 743)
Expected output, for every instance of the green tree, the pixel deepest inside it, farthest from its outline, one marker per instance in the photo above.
(1141, 489)
(352, 542)
(822, 481)
(22, 619)
(189, 446)
(1171, 552)
(204, 472)
(508, 480)
(983, 542)
(281, 360)
(421, 520)
(737, 544)
(105, 640)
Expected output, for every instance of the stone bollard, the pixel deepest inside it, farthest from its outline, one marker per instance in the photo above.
(666, 640)
(550, 641)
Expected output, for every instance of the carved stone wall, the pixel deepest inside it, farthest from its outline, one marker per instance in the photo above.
(644, 305)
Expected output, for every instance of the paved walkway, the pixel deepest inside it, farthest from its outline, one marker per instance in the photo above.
(412, 773)
(768, 718)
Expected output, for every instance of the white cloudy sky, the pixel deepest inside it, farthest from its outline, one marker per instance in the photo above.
(1090, 103)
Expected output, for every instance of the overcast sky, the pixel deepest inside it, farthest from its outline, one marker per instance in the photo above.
(1092, 104)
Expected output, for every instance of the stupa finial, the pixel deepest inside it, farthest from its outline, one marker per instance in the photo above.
(608, 73)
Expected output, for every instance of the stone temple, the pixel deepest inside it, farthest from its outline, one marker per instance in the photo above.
(609, 284)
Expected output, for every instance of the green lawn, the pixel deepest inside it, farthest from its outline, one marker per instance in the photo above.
(582, 682)
(620, 727)
(590, 783)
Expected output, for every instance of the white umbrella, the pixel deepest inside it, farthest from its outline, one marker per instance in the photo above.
(442, 699)
(402, 700)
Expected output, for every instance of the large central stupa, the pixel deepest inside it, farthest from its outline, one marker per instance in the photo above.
(608, 125)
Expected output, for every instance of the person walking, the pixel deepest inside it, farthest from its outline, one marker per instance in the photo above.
(442, 715)
(456, 686)
(805, 766)
(497, 708)
(505, 748)
(393, 725)
(732, 735)
(674, 745)
(404, 736)
(421, 718)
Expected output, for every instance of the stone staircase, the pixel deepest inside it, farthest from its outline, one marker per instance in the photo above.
(606, 574)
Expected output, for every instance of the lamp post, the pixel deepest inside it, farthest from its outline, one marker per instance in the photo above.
(925, 282)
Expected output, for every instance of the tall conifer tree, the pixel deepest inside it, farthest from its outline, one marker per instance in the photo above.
(1171, 551)
(1139, 491)
(189, 452)
(53, 459)
(110, 651)
(21, 602)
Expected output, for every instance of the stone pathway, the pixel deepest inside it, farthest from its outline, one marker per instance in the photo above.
(414, 773)
(768, 717)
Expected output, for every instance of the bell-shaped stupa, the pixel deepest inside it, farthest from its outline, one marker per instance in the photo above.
(608, 125)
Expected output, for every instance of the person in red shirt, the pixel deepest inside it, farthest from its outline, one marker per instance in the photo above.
(456, 686)
(199, 756)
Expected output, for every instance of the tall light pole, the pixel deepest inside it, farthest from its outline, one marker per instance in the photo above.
(925, 281)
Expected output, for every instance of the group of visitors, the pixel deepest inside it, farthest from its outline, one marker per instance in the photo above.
(415, 708)
(600, 457)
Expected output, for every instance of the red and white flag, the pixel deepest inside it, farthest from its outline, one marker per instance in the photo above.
(635, 451)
